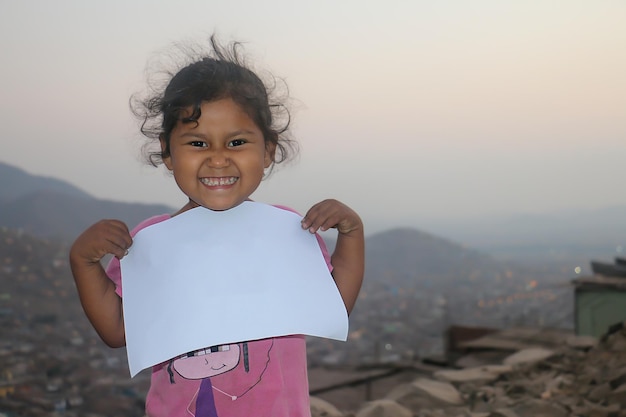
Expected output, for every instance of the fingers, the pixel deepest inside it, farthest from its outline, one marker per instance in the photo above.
(118, 238)
(102, 238)
(330, 214)
(319, 217)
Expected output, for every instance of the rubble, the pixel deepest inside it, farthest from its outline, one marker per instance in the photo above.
(569, 376)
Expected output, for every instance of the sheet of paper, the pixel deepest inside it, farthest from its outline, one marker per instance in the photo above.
(206, 278)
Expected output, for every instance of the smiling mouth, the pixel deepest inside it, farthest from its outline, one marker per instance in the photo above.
(216, 368)
(218, 181)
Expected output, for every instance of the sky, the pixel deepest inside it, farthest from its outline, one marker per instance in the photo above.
(408, 111)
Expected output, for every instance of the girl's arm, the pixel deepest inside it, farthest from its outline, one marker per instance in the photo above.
(102, 305)
(348, 259)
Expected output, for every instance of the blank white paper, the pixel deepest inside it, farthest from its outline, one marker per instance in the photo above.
(206, 278)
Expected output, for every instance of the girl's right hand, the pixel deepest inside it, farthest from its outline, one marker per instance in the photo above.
(102, 238)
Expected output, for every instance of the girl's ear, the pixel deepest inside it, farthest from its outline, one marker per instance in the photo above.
(167, 160)
(270, 152)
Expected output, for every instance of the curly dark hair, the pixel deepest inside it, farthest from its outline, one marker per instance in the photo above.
(221, 73)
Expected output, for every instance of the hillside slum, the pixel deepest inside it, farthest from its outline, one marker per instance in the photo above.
(53, 364)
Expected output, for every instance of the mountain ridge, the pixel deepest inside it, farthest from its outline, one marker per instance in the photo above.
(26, 202)
(51, 208)
(61, 211)
(17, 183)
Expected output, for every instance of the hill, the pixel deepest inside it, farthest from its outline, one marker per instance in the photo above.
(409, 254)
(574, 235)
(51, 208)
(17, 183)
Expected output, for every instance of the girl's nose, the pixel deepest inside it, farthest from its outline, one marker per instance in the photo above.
(217, 159)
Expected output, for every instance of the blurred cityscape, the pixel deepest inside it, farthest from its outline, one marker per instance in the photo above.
(53, 363)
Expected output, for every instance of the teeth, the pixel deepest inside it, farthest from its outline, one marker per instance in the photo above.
(216, 181)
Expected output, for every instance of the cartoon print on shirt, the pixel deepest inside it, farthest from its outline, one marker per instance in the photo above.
(205, 363)
(211, 362)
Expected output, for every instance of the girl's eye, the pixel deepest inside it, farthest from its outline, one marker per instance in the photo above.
(236, 142)
(197, 143)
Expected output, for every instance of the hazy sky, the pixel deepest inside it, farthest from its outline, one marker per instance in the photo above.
(409, 111)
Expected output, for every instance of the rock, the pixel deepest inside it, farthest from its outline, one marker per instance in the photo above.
(321, 408)
(450, 412)
(482, 374)
(383, 408)
(616, 342)
(475, 359)
(414, 399)
(539, 408)
(618, 396)
(581, 342)
(442, 391)
(528, 356)
(503, 412)
(594, 410)
(488, 398)
(618, 377)
(599, 393)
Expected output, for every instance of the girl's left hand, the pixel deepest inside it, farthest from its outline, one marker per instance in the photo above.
(330, 214)
(348, 258)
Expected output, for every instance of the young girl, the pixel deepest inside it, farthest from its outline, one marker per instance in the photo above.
(217, 130)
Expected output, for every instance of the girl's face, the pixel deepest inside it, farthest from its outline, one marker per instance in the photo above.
(218, 162)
